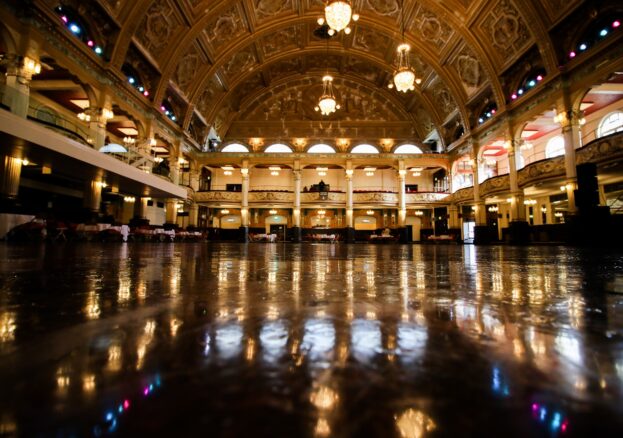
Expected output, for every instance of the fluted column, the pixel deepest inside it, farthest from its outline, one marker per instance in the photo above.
(571, 132)
(171, 215)
(92, 195)
(10, 172)
(518, 211)
(296, 210)
(350, 230)
(19, 73)
(193, 215)
(481, 231)
(244, 206)
(402, 198)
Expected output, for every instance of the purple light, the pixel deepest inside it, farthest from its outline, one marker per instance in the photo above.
(146, 391)
(616, 24)
(572, 55)
(535, 407)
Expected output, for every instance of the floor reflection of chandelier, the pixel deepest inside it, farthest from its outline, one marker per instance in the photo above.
(327, 103)
(338, 14)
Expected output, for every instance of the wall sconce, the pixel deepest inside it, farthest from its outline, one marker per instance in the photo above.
(543, 209)
(321, 212)
(272, 211)
(129, 199)
(107, 114)
(322, 171)
(31, 67)
(419, 213)
(369, 171)
(370, 212)
(224, 211)
(228, 170)
(558, 214)
(274, 170)
(474, 207)
(493, 208)
(349, 172)
(530, 202)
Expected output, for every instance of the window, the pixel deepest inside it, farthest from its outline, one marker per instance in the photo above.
(321, 149)
(610, 124)
(235, 147)
(364, 149)
(278, 148)
(408, 149)
(555, 147)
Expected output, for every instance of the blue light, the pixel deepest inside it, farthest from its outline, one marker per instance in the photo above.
(109, 416)
(543, 414)
(481, 120)
(488, 115)
(583, 46)
(603, 32)
(532, 83)
(556, 420)
(131, 80)
(173, 118)
(520, 91)
(74, 28)
(120, 409)
(99, 50)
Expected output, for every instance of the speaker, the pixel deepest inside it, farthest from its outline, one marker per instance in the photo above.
(587, 194)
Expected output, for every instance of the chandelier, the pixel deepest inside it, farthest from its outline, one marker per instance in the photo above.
(338, 14)
(327, 103)
(404, 76)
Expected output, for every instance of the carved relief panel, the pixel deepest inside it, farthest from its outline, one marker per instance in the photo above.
(226, 28)
(430, 27)
(267, 9)
(159, 25)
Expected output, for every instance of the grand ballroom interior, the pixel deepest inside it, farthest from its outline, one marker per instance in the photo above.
(311, 218)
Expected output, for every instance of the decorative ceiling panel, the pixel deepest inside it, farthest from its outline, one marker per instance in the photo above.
(158, 27)
(271, 9)
(227, 27)
(281, 41)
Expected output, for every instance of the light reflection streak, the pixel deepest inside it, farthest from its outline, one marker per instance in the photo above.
(92, 307)
(318, 339)
(7, 326)
(414, 424)
(365, 338)
(273, 337)
(228, 340)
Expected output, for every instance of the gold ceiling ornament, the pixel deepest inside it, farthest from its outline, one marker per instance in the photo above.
(404, 76)
(337, 15)
(327, 103)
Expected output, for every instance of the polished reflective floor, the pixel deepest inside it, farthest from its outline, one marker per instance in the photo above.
(313, 340)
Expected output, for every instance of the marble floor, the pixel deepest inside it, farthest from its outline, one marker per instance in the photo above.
(311, 340)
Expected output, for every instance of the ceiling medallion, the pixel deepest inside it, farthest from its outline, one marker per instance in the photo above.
(404, 76)
(338, 14)
(327, 103)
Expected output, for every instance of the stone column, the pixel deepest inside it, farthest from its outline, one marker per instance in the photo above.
(570, 123)
(402, 205)
(454, 223)
(244, 207)
(10, 172)
(171, 215)
(296, 210)
(92, 197)
(481, 230)
(140, 208)
(519, 228)
(193, 215)
(350, 229)
(20, 70)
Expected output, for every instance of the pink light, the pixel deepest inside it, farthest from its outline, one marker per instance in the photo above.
(126, 404)
(514, 96)
(616, 24)
(493, 111)
(539, 78)
(145, 93)
(163, 108)
(535, 406)
(90, 43)
(64, 19)
(572, 55)
(564, 426)
(146, 391)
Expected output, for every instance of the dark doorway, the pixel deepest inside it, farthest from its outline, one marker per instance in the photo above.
(280, 231)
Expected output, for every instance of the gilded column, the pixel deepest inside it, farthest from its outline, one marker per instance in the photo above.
(244, 206)
(296, 210)
(10, 172)
(19, 73)
(350, 230)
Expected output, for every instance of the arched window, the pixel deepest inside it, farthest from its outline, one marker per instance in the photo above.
(555, 147)
(610, 124)
(364, 149)
(321, 149)
(235, 147)
(408, 149)
(278, 148)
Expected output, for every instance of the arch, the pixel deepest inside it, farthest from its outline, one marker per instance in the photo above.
(555, 147)
(462, 173)
(235, 147)
(278, 148)
(364, 149)
(321, 148)
(610, 124)
(408, 149)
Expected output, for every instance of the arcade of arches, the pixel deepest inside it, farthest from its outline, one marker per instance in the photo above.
(202, 114)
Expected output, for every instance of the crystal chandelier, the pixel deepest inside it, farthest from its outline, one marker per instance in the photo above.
(327, 103)
(404, 76)
(338, 14)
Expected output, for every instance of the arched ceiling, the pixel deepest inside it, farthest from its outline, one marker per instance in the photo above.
(229, 58)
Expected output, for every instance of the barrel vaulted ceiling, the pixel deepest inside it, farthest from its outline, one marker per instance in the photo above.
(241, 63)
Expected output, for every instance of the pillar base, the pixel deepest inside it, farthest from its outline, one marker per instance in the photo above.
(297, 234)
(350, 235)
(243, 234)
(519, 233)
(482, 235)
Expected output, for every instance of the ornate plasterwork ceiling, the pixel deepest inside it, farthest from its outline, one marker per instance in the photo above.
(231, 59)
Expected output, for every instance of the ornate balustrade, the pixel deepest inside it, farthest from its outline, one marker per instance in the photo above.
(495, 185)
(218, 196)
(315, 197)
(272, 197)
(462, 195)
(602, 150)
(541, 170)
(375, 198)
(415, 198)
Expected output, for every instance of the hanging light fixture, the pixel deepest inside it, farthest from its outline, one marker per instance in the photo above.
(404, 76)
(327, 103)
(337, 14)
